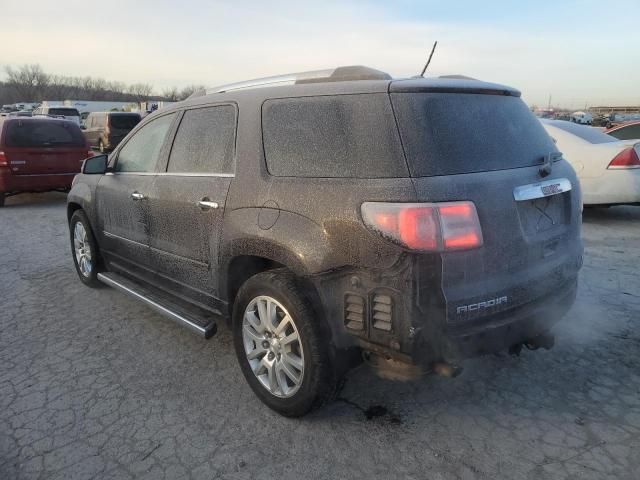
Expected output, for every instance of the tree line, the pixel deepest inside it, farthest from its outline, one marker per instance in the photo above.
(30, 83)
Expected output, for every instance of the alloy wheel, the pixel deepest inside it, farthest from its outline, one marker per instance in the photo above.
(273, 347)
(82, 249)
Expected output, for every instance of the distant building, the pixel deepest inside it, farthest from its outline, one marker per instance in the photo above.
(604, 110)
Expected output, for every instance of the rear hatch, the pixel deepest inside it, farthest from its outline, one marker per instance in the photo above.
(120, 124)
(42, 146)
(66, 113)
(483, 145)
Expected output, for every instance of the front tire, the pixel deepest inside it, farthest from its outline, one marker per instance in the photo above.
(282, 350)
(84, 249)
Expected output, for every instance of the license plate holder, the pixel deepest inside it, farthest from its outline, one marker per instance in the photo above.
(546, 188)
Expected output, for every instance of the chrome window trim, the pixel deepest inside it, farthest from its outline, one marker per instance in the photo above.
(113, 235)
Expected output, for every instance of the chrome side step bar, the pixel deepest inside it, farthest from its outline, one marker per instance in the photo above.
(203, 326)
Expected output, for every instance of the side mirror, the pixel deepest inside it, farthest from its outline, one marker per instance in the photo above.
(95, 165)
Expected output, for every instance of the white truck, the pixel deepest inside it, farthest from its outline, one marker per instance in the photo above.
(583, 118)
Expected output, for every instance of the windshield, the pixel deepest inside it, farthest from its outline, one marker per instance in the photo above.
(124, 122)
(589, 134)
(452, 133)
(67, 112)
(43, 133)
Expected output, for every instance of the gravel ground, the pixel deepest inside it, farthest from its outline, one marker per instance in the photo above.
(95, 385)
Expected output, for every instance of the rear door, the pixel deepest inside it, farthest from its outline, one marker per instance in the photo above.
(491, 150)
(122, 195)
(42, 146)
(188, 201)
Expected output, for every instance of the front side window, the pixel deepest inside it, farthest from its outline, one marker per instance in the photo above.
(205, 142)
(142, 151)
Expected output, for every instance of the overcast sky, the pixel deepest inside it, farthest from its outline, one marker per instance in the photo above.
(578, 51)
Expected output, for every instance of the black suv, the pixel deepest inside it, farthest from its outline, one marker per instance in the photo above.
(410, 222)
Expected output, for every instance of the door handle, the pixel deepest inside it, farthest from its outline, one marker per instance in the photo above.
(206, 204)
(137, 196)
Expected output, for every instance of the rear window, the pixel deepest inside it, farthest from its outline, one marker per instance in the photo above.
(589, 134)
(630, 132)
(453, 133)
(124, 122)
(43, 133)
(352, 136)
(67, 112)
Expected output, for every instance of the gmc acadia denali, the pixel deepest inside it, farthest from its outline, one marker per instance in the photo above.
(412, 222)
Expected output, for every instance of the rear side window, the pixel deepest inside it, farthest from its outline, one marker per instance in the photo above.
(205, 142)
(630, 132)
(123, 122)
(43, 133)
(141, 152)
(68, 112)
(351, 136)
(452, 133)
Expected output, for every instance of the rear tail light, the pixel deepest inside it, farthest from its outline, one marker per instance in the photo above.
(3, 160)
(431, 227)
(628, 158)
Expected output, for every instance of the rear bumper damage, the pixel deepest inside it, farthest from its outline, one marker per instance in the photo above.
(399, 316)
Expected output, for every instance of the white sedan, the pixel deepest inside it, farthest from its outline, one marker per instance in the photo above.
(608, 168)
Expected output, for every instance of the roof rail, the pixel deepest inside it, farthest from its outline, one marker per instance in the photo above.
(339, 74)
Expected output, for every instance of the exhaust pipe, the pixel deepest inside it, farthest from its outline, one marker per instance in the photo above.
(546, 341)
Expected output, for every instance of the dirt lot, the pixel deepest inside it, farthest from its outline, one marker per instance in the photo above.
(95, 385)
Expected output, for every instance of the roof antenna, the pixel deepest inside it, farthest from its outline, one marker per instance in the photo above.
(429, 61)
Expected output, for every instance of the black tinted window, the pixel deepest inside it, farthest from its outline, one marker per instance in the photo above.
(123, 122)
(69, 112)
(43, 133)
(451, 133)
(332, 136)
(205, 141)
(141, 152)
(630, 132)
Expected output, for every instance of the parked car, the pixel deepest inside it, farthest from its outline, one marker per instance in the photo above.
(625, 131)
(39, 154)
(67, 113)
(105, 130)
(608, 168)
(294, 212)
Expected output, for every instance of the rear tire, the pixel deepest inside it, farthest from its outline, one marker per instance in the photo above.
(84, 249)
(283, 352)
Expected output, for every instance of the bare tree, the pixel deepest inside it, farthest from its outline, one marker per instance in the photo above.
(29, 81)
(141, 91)
(189, 90)
(170, 94)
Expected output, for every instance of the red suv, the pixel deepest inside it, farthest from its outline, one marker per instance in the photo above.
(39, 154)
